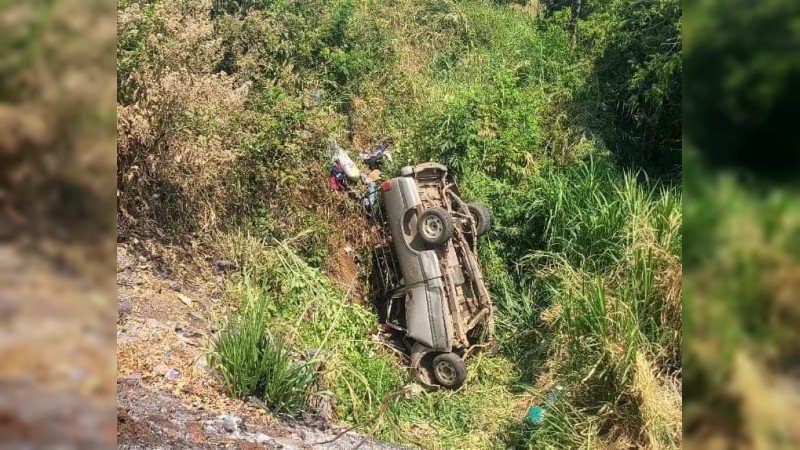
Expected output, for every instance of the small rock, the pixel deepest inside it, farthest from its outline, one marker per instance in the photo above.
(175, 285)
(221, 267)
(124, 307)
(192, 334)
(201, 363)
(287, 443)
(172, 374)
(262, 438)
(230, 423)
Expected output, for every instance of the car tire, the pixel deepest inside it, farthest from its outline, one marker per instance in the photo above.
(435, 226)
(449, 370)
(482, 216)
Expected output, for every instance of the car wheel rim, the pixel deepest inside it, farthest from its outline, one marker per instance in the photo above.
(432, 226)
(445, 372)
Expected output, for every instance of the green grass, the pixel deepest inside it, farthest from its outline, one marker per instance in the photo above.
(254, 363)
(739, 296)
(599, 281)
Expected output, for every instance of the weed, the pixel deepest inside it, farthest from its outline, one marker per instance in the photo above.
(253, 363)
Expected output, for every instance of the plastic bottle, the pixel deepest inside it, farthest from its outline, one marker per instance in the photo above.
(349, 167)
(536, 413)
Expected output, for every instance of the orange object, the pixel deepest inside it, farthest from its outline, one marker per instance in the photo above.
(374, 175)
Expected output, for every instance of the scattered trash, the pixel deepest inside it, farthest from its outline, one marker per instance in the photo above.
(372, 193)
(318, 96)
(374, 175)
(345, 163)
(338, 179)
(186, 300)
(262, 438)
(375, 159)
(348, 248)
(332, 183)
(172, 374)
(536, 413)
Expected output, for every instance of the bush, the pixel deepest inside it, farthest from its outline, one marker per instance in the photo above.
(252, 363)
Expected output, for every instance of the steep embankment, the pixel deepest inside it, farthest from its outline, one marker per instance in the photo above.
(224, 111)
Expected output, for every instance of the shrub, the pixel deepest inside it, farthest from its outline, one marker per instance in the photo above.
(253, 363)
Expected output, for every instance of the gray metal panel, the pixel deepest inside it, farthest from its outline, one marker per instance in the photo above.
(402, 197)
(427, 308)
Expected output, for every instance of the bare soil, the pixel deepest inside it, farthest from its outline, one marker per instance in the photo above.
(165, 325)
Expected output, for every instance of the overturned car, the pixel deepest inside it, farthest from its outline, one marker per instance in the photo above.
(428, 287)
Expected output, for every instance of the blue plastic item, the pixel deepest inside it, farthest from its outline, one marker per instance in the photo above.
(536, 413)
(372, 193)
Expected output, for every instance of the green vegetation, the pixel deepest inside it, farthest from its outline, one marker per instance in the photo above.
(251, 362)
(547, 121)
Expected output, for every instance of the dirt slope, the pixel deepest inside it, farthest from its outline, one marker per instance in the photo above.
(163, 327)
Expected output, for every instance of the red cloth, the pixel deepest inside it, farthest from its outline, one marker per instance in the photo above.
(333, 183)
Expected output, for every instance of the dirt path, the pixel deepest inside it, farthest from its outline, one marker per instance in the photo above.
(166, 397)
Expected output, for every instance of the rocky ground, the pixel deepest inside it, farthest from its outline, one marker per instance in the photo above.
(166, 396)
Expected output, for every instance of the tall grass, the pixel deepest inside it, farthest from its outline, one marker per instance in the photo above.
(740, 307)
(598, 296)
(253, 363)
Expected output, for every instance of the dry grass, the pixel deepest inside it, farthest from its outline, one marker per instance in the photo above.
(660, 401)
(178, 121)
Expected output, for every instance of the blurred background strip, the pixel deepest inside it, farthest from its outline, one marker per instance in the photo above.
(741, 292)
(57, 227)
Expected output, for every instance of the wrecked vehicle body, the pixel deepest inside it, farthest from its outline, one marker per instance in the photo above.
(430, 288)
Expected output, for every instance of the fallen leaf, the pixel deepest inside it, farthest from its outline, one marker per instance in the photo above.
(186, 300)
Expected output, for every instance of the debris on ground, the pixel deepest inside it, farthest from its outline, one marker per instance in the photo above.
(342, 160)
(375, 159)
(168, 397)
(186, 300)
(172, 374)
